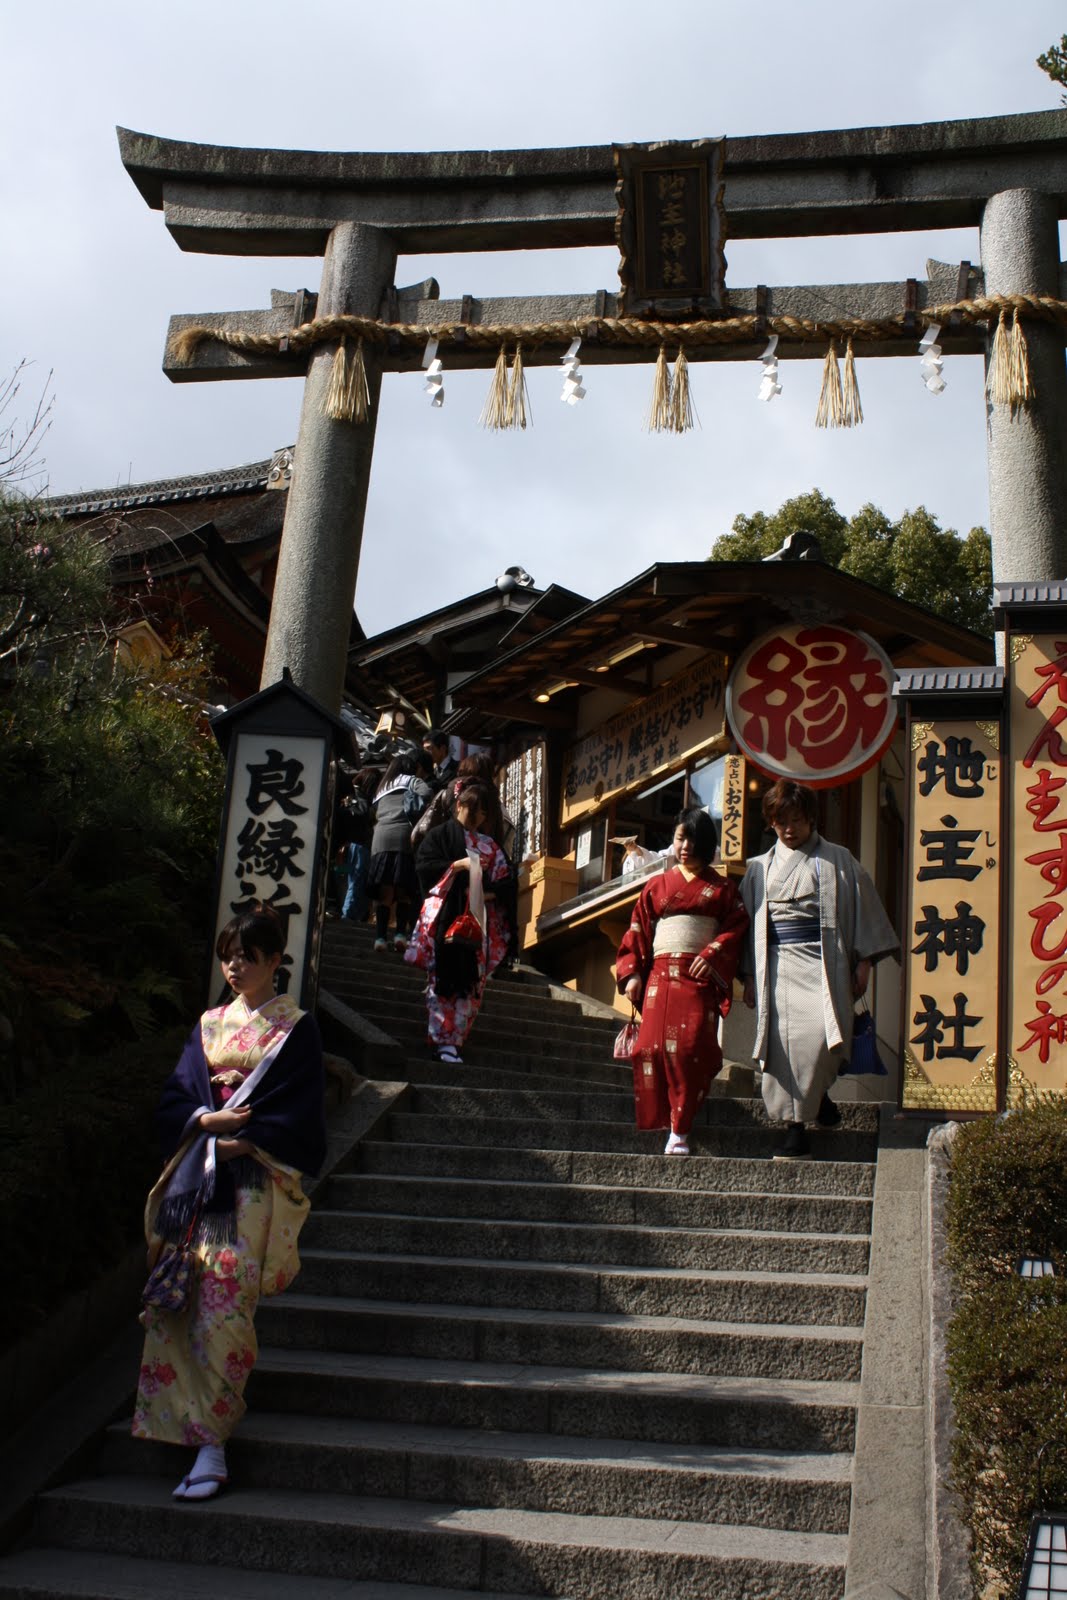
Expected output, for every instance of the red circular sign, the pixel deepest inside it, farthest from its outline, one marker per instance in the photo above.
(812, 703)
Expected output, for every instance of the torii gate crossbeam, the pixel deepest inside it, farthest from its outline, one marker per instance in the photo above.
(1007, 175)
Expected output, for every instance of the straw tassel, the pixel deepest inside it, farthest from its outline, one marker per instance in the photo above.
(1021, 383)
(851, 406)
(660, 419)
(998, 378)
(347, 398)
(683, 417)
(831, 410)
(518, 398)
(495, 411)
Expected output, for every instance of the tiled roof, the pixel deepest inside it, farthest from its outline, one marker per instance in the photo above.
(163, 491)
(948, 680)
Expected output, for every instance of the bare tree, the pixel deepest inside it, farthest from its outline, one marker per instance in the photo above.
(21, 438)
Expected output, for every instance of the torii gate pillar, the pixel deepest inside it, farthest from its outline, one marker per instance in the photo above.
(311, 617)
(1026, 447)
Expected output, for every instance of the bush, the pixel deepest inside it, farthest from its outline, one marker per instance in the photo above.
(79, 1154)
(112, 786)
(1007, 1342)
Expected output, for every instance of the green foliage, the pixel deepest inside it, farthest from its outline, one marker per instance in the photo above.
(78, 1156)
(112, 787)
(1008, 1339)
(913, 558)
(1054, 64)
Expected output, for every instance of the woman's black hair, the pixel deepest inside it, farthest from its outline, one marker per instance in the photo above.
(259, 929)
(474, 794)
(401, 766)
(424, 765)
(700, 830)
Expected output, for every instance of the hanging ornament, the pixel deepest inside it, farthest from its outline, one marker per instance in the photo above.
(1022, 384)
(347, 398)
(572, 375)
(659, 418)
(518, 398)
(998, 377)
(434, 369)
(851, 409)
(831, 410)
(769, 385)
(683, 416)
(495, 410)
(930, 362)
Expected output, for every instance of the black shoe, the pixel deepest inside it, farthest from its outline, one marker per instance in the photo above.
(796, 1143)
(828, 1115)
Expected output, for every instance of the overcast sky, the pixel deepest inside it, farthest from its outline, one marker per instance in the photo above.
(585, 497)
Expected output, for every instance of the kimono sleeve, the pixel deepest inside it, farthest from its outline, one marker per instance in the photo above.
(635, 951)
(874, 935)
(725, 951)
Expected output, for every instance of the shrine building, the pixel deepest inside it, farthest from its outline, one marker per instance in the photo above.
(697, 683)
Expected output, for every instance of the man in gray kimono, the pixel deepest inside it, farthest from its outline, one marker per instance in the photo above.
(817, 928)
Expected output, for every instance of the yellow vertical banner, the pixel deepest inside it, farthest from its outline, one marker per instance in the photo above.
(732, 836)
(1037, 961)
(952, 927)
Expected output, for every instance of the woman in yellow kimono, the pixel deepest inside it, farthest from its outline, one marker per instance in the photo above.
(240, 1119)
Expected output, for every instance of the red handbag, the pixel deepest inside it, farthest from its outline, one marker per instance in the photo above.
(626, 1038)
(466, 929)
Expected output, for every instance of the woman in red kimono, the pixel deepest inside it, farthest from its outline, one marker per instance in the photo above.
(676, 963)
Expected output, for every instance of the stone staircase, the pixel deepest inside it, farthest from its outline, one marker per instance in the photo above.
(527, 1355)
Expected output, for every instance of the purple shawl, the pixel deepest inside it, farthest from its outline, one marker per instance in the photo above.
(287, 1122)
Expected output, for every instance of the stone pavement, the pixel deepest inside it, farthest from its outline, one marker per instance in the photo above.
(527, 1355)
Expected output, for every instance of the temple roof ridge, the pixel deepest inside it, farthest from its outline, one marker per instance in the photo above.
(195, 486)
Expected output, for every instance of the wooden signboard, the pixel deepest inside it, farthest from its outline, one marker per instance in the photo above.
(1037, 914)
(654, 735)
(732, 835)
(952, 926)
(523, 798)
(669, 228)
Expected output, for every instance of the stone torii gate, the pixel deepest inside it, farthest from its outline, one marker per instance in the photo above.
(1006, 175)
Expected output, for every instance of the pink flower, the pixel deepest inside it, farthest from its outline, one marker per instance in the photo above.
(221, 1408)
(218, 1294)
(196, 1433)
(226, 1263)
(164, 1373)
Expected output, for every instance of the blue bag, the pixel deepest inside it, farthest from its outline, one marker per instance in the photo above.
(864, 1059)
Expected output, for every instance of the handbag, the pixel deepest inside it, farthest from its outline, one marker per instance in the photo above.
(170, 1282)
(626, 1038)
(864, 1059)
(466, 929)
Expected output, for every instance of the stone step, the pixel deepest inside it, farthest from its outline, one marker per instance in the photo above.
(627, 1170)
(737, 1297)
(543, 1020)
(36, 1574)
(459, 1100)
(679, 1408)
(540, 1073)
(525, 1552)
(565, 1202)
(360, 1326)
(386, 974)
(603, 1244)
(535, 1472)
(837, 1144)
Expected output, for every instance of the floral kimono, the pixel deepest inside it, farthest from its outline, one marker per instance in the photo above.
(456, 974)
(246, 1213)
(677, 1051)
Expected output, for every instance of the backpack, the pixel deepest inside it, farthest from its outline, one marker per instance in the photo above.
(414, 804)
